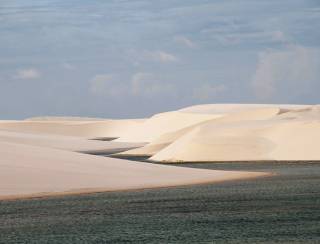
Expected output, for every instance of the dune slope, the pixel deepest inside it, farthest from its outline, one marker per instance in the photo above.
(164, 140)
(160, 124)
(286, 135)
(27, 171)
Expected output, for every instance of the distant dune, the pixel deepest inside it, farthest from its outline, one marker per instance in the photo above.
(76, 128)
(251, 135)
(240, 133)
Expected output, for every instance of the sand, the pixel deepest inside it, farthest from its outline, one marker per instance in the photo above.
(234, 108)
(163, 123)
(239, 132)
(32, 171)
(71, 127)
(286, 135)
(251, 113)
(48, 155)
(69, 143)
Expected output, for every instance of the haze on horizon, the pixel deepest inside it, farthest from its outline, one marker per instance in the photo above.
(125, 59)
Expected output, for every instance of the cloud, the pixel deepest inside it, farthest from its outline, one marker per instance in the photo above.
(68, 66)
(278, 36)
(140, 84)
(141, 57)
(184, 41)
(160, 56)
(27, 74)
(237, 34)
(106, 84)
(146, 84)
(286, 72)
(207, 91)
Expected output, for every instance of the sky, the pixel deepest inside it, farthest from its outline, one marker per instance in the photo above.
(134, 58)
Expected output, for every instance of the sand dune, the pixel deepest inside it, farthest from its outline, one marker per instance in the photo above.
(251, 113)
(163, 128)
(240, 133)
(234, 108)
(63, 118)
(163, 123)
(69, 143)
(286, 135)
(39, 171)
(77, 128)
(157, 144)
(44, 156)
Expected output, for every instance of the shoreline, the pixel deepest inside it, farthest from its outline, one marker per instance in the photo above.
(79, 192)
(145, 158)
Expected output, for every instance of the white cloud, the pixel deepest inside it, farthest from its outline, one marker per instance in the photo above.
(278, 36)
(68, 66)
(229, 36)
(207, 91)
(291, 71)
(27, 74)
(146, 84)
(141, 84)
(140, 57)
(160, 56)
(184, 41)
(106, 84)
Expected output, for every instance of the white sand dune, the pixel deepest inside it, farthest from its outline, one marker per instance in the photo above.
(162, 123)
(29, 171)
(286, 135)
(69, 143)
(234, 108)
(63, 118)
(77, 128)
(249, 114)
(42, 156)
(159, 143)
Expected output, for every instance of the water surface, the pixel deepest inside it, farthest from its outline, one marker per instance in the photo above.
(284, 208)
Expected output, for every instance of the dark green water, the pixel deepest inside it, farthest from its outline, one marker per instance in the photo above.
(284, 208)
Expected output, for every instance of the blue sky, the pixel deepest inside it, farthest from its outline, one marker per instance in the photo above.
(133, 58)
